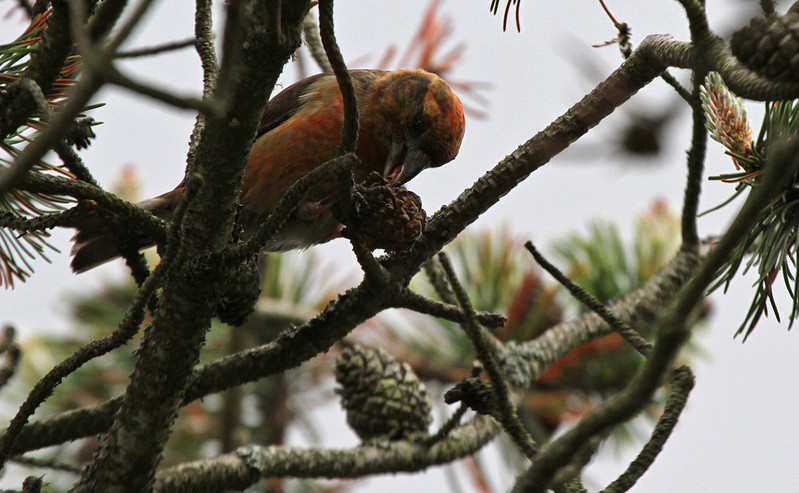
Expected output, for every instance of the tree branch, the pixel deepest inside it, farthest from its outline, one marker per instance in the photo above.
(681, 385)
(629, 334)
(525, 362)
(129, 454)
(522, 363)
(43, 69)
(418, 303)
(673, 332)
(248, 464)
(485, 351)
(655, 53)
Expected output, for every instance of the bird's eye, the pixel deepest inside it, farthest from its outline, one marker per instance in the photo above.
(417, 127)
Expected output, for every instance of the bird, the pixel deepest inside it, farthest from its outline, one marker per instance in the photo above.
(409, 120)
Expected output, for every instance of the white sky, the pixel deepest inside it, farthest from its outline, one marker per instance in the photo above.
(739, 432)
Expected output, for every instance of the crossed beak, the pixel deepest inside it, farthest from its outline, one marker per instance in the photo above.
(404, 162)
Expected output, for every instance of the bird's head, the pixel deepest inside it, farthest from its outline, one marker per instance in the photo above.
(421, 118)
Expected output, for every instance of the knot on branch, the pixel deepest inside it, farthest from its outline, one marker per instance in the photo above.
(383, 397)
(239, 292)
(768, 46)
(236, 284)
(476, 393)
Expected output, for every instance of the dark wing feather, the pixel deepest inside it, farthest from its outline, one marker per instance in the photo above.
(289, 100)
(281, 107)
(286, 103)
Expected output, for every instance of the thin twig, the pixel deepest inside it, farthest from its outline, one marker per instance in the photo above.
(672, 333)
(46, 463)
(98, 63)
(150, 225)
(122, 33)
(350, 128)
(288, 204)
(681, 91)
(626, 49)
(349, 132)
(418, 303)
(438, 279)
(371, 267)
(155, 50)
(204, 45)
(12, 352)
(682, 382)
(310, 32)
(43, 222)
(112, 75)
(628, 333)
(696, 160)
(507, 414)
(44, 387)
(136, 262)
(74, 163)
(448, 426)
(105, 17)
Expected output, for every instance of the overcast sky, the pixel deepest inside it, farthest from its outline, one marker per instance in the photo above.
(739, 433)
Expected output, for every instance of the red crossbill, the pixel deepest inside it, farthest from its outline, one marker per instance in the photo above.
(409, 120)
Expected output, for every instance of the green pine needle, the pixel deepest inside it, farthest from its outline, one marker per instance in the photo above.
(771, 245)
(18, 249)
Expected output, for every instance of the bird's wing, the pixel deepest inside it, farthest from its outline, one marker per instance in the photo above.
(279, 109)
(290, 99)
(285, 104)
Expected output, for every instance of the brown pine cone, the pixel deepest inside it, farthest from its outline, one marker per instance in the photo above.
(383, 397)
(387, 216)
(769, 46)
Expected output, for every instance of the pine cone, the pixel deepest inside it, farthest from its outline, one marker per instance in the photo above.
(383, 397)
(387, 216)
(769, 46)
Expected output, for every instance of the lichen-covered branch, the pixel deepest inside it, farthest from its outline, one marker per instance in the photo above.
(655, 54)
(673, 332)
(249, 464)
(131, 450)
(525, 362)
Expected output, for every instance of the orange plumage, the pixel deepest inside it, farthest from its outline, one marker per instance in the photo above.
(409, 120)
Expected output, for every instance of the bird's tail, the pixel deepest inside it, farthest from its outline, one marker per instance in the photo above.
(94, 243)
